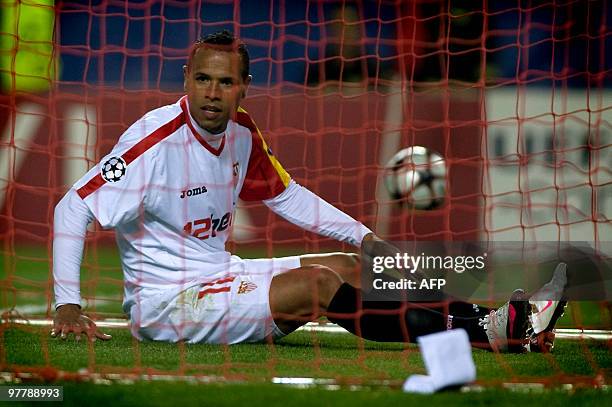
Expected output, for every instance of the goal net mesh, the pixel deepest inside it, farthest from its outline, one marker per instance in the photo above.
(515, 96)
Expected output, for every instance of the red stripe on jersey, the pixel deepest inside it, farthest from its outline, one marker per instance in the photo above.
(262, 180)
(215, 151)
(158, 135)
(89, 188)
(202, 293)
(136, 151)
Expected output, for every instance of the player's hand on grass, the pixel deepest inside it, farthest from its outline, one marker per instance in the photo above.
(69, 319)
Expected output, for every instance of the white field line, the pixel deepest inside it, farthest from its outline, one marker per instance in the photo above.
(42, 308)
(83, 375)
(575, 334)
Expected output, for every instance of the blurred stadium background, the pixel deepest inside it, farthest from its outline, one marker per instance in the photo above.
(515, 95)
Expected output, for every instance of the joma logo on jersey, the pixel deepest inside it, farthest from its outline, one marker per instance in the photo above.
(193, 191)
(208, 227)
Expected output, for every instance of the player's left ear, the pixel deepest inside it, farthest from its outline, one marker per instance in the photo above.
(185, 69)
(245, 86)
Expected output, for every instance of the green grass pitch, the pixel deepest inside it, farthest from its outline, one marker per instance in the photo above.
(250, 368)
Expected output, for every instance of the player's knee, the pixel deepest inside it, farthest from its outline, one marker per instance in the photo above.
(303, 292)
(352, 259)
(337, 260)
(345, 261)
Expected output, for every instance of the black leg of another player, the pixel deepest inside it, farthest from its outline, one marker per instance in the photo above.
(404, 321)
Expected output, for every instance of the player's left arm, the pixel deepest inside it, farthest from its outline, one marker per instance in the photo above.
(305, 209)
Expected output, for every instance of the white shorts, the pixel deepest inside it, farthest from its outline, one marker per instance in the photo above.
(227, 310)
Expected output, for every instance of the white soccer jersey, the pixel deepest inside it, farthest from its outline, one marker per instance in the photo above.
(171, 196)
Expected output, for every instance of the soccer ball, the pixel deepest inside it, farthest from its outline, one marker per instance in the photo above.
(113, 169)
(416, 178)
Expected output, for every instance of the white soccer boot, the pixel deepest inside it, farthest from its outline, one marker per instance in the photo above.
(547, 306)
(506, 327)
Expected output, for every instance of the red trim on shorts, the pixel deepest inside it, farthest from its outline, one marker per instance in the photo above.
(201, 294)
(215, 151)
(136, 151)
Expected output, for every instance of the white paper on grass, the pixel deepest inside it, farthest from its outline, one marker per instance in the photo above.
(448, 361)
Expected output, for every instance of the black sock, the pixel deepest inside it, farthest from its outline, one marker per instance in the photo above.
(395, 321)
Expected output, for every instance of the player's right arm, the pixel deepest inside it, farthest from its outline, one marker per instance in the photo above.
(70, 222)
(112, 192)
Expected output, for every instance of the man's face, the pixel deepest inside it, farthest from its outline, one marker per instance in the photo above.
(214, 88)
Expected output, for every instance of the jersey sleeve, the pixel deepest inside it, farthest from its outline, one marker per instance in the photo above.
(310, 212)
(70, 220)
(116, 188)
(265, 177)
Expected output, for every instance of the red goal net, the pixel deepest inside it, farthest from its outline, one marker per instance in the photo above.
(515, 96)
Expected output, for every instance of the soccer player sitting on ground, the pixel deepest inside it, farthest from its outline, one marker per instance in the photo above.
(169, 187)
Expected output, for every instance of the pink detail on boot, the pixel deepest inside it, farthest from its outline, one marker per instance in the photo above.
(511, 318)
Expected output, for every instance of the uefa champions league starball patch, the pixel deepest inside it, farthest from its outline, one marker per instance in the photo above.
(113, 169)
